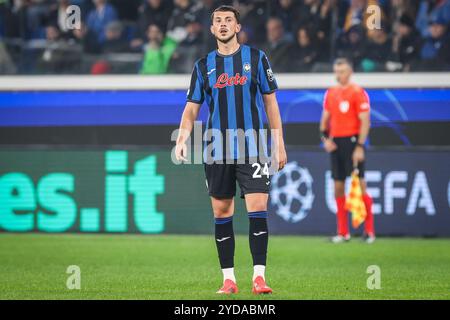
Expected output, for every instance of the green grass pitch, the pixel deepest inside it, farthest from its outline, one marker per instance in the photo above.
(33, 266)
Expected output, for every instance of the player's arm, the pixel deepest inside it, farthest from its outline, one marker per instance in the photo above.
(194, 100)
(276, 126)
(324, 128)
(188, 118)
(268, 85)
(358, 153)
(364, 117)
(324, 122)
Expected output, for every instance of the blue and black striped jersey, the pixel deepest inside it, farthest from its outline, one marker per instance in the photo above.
(233, 86)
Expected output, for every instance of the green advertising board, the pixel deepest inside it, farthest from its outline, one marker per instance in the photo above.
(113, 191)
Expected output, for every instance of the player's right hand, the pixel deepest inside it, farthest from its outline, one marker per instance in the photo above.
(181, 152)
(329, 145)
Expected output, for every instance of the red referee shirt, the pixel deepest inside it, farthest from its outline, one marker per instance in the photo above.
(344, 105)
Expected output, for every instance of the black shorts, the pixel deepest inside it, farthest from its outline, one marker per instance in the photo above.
(221, 179)
(341, 158)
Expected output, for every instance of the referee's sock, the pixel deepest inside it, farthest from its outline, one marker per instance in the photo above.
(342, 217)
(369, 228)
(225, 246)
(258, 239)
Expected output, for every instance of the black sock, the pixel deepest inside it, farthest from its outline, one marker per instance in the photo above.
(225, 241)
(258, 236)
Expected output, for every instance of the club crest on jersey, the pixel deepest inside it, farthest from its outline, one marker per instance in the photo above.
(247, 67)
(224, 80)
(344, 106)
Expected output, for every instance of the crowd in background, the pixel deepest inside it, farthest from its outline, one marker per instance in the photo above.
(167, 36)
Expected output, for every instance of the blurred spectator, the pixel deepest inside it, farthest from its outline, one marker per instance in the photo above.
(7, 66)
(377, 50)
(15, 20)
(304, 53)
(277, 45)
(59, 55)
(351, 45)
(184, 12)
(127, 10)
(36, 12)
(151, 12)
(431, 10)
(115, 41)
(244, 36)
(435, 52)
(326, 29)
(101, 67)
(100, 17)
(85, 5)
(311, 12)
(357, 13)
(208, 41)
(188, 50)
(288, 12)
(57, 16)
(406, 44)
(154, 12)
(254, 17)
(3, 12)
(400, 8)
(158, 51)
(316, 16)
(88, 39)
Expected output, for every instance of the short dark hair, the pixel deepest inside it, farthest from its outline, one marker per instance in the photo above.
(343, 60)
(226, 8)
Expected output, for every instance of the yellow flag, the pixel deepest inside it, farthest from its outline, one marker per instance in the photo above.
(354, 201)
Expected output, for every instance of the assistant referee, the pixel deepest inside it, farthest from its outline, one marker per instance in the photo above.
(344, 128)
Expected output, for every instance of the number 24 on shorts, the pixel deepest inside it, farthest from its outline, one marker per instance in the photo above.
(258, 171)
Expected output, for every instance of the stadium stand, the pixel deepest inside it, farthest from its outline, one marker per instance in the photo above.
(159, 37)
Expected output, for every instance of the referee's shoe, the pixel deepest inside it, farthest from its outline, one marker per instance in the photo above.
(340, 238)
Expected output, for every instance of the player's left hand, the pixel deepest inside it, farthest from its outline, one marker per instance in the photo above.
(358, 155)
(282, 158)
(181, 152)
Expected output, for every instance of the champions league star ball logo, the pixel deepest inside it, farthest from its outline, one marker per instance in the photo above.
(292, 193)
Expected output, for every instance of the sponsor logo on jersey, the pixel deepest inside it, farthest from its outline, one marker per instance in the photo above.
(225, 80)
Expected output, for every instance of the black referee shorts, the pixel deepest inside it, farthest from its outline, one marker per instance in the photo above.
(221, 179)
(341, 158)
